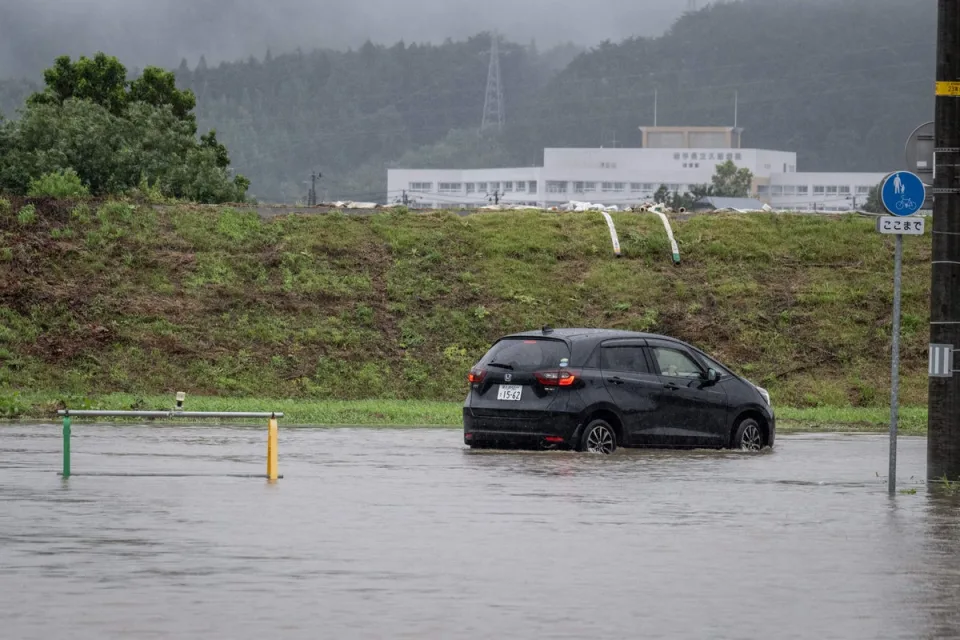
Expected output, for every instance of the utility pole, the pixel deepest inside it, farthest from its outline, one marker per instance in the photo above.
(943, 425)
(312, 196)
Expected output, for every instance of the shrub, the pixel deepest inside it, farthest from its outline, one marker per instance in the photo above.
(58, 184)
(27, 215)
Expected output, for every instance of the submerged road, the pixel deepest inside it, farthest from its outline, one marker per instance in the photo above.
(402, 533)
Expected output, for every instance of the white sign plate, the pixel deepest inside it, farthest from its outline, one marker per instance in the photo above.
(905, 226)
(941, 361)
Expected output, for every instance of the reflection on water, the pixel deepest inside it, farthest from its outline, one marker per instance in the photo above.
(403, 533)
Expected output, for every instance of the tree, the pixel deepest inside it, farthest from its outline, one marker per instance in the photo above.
(661, 195)
(873, 203)
(158, 87)
(91, 127)
(112, 155)
(102, 80)
(731, 182)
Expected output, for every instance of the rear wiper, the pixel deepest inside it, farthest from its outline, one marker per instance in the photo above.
(500, 365)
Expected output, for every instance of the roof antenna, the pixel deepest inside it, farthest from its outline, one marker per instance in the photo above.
(546, 328)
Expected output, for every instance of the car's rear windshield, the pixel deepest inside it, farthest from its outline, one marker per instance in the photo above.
(527, 354)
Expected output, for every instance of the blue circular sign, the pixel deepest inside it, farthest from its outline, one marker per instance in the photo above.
(903, 193)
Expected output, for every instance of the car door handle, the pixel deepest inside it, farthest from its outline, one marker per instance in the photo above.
(671, 386)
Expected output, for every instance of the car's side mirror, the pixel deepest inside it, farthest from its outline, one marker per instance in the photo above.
(712, 376)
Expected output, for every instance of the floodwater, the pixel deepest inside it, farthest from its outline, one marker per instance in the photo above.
(405, 534)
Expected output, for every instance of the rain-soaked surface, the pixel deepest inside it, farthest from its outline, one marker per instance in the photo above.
(404, 533)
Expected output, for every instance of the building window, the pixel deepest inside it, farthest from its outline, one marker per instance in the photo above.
(556, 186)
(421, 187)
(673, 187)
(521, 186)
(776, 190)
(449, 187)
(789, 190)
(532, 186)
(584, 187)
(863, 191)
(803, 190)
(471, 187)
(844, 191)
(648, 186)
(819, 190)
(697, 166)
(482, 187)
(703, 156)
(636, 187)
(684, 165)
(686, 156)
(736, 156)
(494, 186)
(613, 187)
(729, 156)
(763, 190)
(508, 186)
(676, 156)
(831, 190)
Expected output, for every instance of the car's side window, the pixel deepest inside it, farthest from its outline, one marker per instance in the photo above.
(716, 366)
(676, 364)
(624, 358)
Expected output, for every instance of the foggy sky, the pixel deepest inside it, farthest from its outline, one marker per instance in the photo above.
(141, 32)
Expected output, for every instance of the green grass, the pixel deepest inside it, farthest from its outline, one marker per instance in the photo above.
(122, 298)
(417, 413)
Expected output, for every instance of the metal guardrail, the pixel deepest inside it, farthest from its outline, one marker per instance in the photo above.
(88, 413)
(271, 416)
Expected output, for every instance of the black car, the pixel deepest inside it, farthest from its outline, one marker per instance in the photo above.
(597, 389)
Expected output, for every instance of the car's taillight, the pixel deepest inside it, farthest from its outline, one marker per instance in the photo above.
(560, 378)
(476, 375)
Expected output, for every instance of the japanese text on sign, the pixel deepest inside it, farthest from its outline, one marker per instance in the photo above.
(906, 226)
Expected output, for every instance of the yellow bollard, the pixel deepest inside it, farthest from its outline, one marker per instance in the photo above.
(272, 431)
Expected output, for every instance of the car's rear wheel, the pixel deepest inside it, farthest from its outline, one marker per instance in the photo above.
(748, 436)
(599, 437)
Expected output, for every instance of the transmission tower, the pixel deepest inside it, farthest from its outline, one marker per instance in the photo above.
(493, 100)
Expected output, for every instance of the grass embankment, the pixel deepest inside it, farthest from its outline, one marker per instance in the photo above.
(114, 298)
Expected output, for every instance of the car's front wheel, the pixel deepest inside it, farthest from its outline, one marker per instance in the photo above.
(748, 436)
(599, 437)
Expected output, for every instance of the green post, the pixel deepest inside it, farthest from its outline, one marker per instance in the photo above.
(66, 446)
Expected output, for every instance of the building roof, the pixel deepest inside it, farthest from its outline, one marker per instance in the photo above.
(748, 204)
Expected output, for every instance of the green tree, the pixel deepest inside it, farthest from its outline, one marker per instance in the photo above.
(102, 80)
(90, 125)
(731, 182)
(662, 195)
(873, 203)
(114, 155)
(158, 87)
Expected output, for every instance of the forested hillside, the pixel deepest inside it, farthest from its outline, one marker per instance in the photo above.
(841, 83)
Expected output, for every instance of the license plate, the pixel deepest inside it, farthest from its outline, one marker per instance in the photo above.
(509, 392)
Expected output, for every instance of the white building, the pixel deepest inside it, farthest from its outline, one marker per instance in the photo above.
(678, 157)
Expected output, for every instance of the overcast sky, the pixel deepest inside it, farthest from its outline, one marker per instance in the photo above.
(33, 32)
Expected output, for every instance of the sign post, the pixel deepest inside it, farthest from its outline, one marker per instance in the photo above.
(902, 195)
